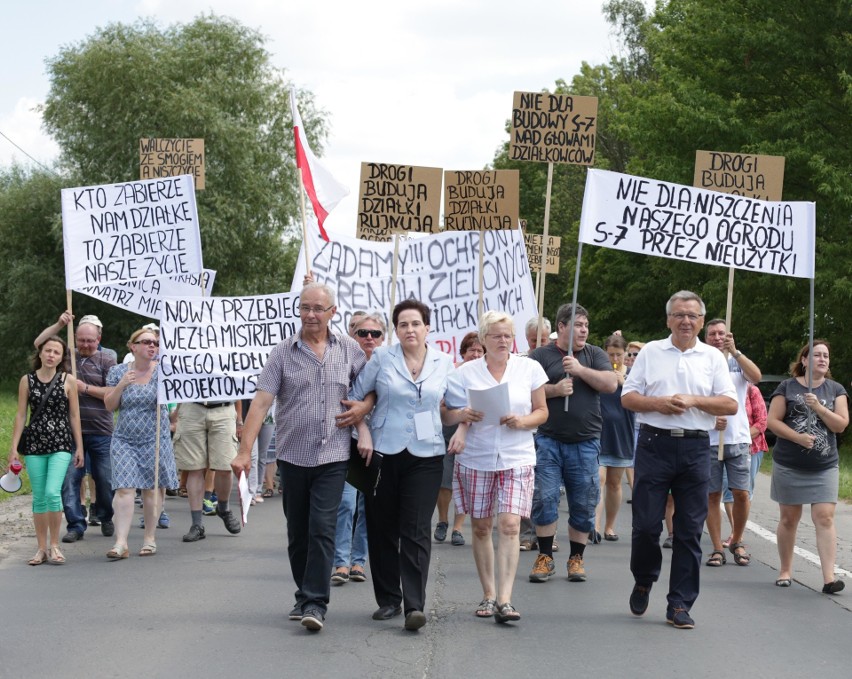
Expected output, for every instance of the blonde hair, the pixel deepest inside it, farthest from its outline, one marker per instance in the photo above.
(490, 318)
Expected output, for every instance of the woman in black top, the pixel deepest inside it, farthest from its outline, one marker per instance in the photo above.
(50, 438)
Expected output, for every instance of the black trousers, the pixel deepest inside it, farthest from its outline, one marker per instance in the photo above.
(399, 522)
(311, 498)
(682, 465)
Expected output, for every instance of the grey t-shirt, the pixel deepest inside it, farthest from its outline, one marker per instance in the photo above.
(583, 420)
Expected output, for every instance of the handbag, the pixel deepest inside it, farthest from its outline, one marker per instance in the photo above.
(25, 433)
(359, 474)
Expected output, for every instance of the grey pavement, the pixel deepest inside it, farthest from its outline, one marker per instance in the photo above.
(219, 608)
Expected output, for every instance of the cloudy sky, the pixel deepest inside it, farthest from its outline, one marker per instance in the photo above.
(415, 82)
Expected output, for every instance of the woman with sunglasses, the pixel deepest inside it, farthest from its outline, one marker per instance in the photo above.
(134, 395)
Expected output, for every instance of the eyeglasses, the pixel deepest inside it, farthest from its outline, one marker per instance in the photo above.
(148, 343)
(505, 338)
(305, 310)
(375, 334)
(682, 316)
(632, 354)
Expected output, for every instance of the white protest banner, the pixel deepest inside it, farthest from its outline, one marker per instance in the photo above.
(144, 297)
(122, 232)
(662, 219)
(213, 348)
(441, 270)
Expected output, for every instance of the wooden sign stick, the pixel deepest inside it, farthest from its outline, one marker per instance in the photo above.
(394, 269)
(544, 241)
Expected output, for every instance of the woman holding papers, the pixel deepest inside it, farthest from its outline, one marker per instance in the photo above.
(134, 442)
(494, 470)
(409, 380)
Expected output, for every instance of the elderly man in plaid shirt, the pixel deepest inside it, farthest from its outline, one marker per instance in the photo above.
(309, 374)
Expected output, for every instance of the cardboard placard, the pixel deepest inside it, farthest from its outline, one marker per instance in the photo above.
(398, 199)
(535, 252)
(481, 200)
(741, 174)
(553, 128)
(171, 158)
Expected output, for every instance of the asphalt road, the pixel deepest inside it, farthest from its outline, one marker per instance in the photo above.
(218, 608)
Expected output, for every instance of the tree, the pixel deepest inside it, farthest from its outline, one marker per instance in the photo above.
(211, 78)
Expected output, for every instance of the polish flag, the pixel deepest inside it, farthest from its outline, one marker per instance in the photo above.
(324, 191)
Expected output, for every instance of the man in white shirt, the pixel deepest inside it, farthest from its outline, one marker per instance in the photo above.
(678, 386)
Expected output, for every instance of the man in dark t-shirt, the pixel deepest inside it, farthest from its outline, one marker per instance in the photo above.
(96, 422)
(568, 444)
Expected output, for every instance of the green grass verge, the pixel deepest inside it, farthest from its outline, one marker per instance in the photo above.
(8, 407)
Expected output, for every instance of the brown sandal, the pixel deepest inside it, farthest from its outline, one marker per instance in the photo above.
(39, 558)
(740, 559)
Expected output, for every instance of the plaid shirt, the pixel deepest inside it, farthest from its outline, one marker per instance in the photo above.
(308, 391)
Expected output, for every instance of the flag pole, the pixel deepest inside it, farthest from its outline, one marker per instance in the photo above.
(304, 219)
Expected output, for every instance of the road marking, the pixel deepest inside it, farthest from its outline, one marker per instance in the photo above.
(804, 553)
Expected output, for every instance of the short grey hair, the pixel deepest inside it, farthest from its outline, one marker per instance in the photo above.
(332, 300)
(491, 318)
(686, 296)
(532, 324)
(374, 316)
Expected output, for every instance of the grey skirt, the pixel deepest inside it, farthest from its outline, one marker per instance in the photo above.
(797, 487)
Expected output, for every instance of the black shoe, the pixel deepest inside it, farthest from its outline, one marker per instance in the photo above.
(72, 536)
(414, 620)
(296, 613)
(441, 531)
(232, 523)
(107, 529)
(171, 492)
(679, 618)
(195, 533)
(594, 537)
(639, 598)
(833, 587)
(387, 612)
(312, 619)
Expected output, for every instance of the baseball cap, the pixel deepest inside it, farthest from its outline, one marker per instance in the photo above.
(93, 320)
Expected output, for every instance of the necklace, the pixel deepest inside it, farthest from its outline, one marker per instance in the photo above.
(418, 363)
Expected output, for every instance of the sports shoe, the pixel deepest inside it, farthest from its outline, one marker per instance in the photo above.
(164, 521)
(555, 545)
(542, 569)
(142, 522)
(576, 572)
(232, 523)
(457, 538)
(667, 543)
(195, 534)
(441, 531)
(296, 613)
(93, 520)
(138, 499)
(107, 529)
(72, 536)
(639, 598)
(312, 619)
(208, 507)
(679, 618)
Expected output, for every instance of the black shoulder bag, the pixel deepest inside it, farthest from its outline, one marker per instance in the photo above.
(22, 442)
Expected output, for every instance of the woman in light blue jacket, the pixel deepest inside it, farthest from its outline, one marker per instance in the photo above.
(409, 380)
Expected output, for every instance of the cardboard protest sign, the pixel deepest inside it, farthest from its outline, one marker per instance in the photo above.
(172, 158)
(553, 128)
(213, 348)
(144, 297)
(442, 271)
(741, 174)
(536, 252)
(481, 200)
(124, 232)
(398, 198)
(682, 222)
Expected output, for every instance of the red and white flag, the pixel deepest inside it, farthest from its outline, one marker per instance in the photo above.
(324, 191)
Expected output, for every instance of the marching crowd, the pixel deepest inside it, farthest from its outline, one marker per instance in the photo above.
(681, 416)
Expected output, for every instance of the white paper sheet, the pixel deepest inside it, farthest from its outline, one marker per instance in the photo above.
(245, 496)
(493, 402)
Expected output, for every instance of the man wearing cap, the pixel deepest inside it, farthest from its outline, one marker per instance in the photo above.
(96, 422)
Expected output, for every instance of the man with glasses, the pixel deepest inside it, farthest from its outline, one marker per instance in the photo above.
(308, 375)
(96, 422)
(568, 444)
(677, 387)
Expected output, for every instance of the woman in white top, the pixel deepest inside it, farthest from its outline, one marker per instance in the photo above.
(494, 470)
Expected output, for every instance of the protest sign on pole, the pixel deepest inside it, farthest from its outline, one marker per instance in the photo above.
(541, 256)
(171, 158)
(135, 230)
(440, 270)
(741, 174)
(144, 297)
(553, 128)
(398, 198)
(213, 348)
(662, 219)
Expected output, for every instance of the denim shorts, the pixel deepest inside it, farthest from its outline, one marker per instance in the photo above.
(575, 465)
(737, 465)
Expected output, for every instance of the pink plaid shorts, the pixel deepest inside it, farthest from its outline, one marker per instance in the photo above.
(475, 491)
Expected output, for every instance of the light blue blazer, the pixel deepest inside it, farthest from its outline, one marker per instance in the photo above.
(398, 398)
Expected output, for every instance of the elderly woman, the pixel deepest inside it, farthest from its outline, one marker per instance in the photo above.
(350, 549)
(54, 429)
(409, 380)
(470, 349)
(806, 413)
(134, 442)
(495, 461)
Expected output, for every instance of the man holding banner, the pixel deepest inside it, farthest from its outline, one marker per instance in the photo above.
(678, 386)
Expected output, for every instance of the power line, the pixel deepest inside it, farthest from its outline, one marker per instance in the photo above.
(44, 167)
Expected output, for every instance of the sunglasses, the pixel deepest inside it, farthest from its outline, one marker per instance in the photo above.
(148, 343)
(633, 354)
(375, 334)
